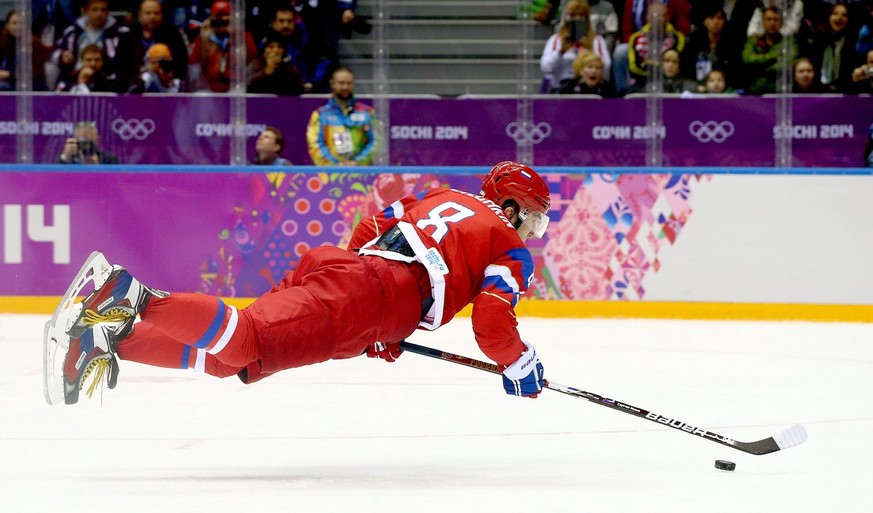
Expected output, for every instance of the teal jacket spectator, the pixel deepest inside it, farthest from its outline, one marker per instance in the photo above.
(337, 136)
(341, 131)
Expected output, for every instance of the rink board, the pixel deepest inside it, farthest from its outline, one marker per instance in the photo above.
(671, 245)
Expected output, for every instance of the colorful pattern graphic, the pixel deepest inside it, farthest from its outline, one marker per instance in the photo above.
(612, 233)
(286, 214)
(607, 231)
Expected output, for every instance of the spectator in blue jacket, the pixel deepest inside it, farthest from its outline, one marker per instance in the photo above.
(301, 51)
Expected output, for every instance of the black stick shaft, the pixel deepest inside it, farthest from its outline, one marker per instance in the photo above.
(764, 446)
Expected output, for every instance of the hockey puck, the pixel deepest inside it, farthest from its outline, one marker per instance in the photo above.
(725, 465)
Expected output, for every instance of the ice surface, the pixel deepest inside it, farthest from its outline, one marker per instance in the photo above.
(422, 435)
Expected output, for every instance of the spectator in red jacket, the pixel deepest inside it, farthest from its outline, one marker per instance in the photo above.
(211, 51)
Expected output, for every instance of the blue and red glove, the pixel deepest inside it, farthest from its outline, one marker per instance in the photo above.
(387, 351)
(524, 378)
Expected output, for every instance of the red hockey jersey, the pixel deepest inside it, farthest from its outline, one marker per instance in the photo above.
(472, 254)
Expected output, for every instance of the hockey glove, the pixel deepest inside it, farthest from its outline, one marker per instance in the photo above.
(387, 351)
(524, 377)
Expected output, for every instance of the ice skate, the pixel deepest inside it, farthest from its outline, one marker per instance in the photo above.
(70, 362)
(117, 296)
(114, 303)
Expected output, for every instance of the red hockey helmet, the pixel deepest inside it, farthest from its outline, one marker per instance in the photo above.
(513, 181)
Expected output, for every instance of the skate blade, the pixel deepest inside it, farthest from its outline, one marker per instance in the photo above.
(96, 270)
(56, 342)
(55, 347)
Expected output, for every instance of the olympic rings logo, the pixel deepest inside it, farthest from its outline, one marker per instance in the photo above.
(133, 128)
(534, 134)
(711, 131)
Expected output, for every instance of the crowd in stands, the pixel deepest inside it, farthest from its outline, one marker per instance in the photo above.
(597, 46)
(708, 46)
(170, 46)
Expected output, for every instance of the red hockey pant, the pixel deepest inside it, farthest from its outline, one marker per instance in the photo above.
(333, 306)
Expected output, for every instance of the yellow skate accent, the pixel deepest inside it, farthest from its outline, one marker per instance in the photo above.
(91, 317)
(100, 367)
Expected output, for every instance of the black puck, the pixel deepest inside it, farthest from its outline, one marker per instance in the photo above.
(725, 465)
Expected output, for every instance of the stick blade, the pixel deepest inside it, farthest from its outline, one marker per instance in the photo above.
(795, 435)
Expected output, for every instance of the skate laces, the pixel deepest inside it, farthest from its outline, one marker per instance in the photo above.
(100, 368)
(91, 317)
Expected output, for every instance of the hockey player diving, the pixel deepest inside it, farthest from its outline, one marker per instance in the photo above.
(413, 266)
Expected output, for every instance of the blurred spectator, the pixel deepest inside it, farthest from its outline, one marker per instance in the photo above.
(330, 20)
(124, 11)
(862, 76)
(638, 53)
(542, 11)
(737, 13)
(636, 15)
(94, 27)
(575, 33)
(188, 16)
(804, 78)
(147, 31)
(327, 21)
(605, 22)
(715, 82)
(708, 48)
(588, 69)
(91, 77)
(51, 18)
(306, 55)
(268, 148)
(13, 29)
(762, 54)
(259, 15)
(161, 75)
(211, 51)
(819, 10)
(865, 32)
(271, 74)
(674, 81)
(341, 132)
(84, 147)
(791, 20)
(835, 52)
(8, 44)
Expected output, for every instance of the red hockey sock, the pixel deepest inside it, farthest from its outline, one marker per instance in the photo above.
(206, 323)
(151, 346)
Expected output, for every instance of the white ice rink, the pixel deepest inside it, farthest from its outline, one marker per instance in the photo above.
(422, 435)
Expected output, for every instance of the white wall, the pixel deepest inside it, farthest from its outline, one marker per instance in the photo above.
(785, 239)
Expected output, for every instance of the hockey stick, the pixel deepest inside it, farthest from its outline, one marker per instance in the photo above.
(794, 435)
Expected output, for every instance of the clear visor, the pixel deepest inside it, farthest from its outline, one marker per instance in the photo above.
(536, 222)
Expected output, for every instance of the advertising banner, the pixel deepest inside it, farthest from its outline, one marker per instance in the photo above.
(237, 234)
(563, 131)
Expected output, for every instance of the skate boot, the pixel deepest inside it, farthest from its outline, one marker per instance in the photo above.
(70, 362)
(117, 297)
(115, 301)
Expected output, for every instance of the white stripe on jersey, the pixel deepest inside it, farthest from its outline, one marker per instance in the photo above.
(228, 332)
(503, 272)
(398, 209)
